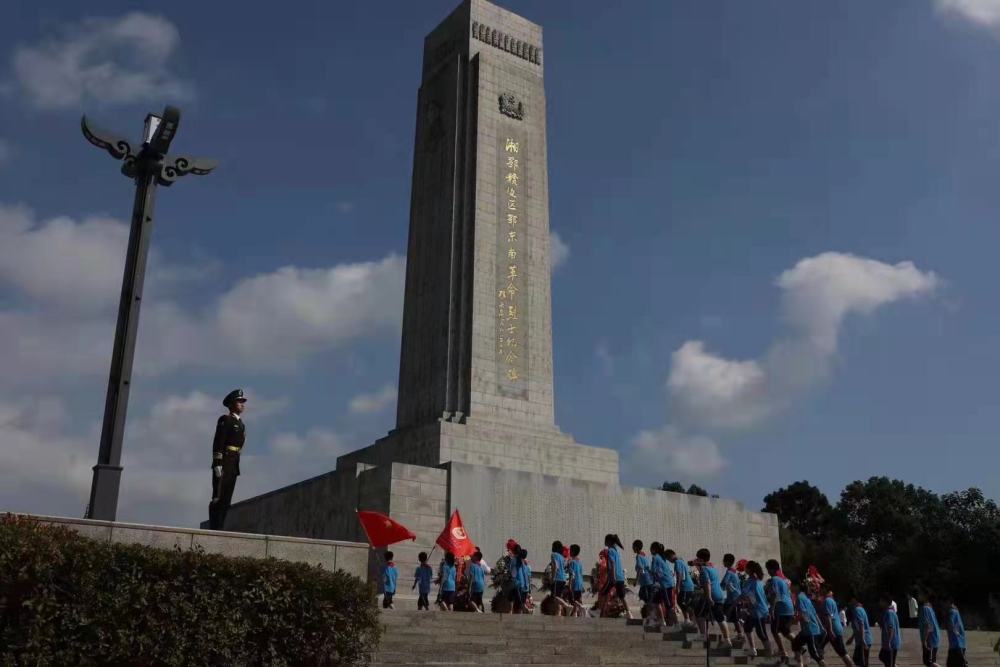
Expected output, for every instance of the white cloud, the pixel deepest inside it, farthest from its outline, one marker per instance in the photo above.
(44, 470)
(558, 251)
(316, 443)
(292, 312)
(68, 274)
(709, 388)
(711, 394)
(982, 12)
(364, 404)
(104, 61)
(818, 293)
(668, 454)
(73, 265)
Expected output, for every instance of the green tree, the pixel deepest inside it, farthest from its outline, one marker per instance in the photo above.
(676, 487)
(695, 490)
(882, 513)
(887, 535)
(801, 507)
(794, 551)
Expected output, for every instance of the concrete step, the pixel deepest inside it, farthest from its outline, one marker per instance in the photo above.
(403, 658)
(537, 644)
(443, 638)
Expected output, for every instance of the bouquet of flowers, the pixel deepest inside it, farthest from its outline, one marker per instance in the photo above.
(814, 580)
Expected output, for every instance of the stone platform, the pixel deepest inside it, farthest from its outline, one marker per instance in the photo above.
(351, 557)
(498, 503)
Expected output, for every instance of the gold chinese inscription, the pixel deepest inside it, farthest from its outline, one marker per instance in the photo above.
(511, 324)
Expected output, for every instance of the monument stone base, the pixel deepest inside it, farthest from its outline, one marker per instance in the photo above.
(558, 490)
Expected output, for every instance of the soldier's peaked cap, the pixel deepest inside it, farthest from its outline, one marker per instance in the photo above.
(233, 396)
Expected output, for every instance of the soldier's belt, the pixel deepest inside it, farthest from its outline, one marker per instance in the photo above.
(231, 448)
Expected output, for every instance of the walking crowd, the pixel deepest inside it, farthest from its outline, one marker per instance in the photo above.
(759, 602)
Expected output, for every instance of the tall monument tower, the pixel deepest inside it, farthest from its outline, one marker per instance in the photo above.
(477, 331)
(475, 427)
(475, 376)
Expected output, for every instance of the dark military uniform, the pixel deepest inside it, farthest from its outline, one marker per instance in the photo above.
(230, 436)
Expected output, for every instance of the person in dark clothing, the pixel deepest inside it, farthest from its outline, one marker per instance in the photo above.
(230, 436)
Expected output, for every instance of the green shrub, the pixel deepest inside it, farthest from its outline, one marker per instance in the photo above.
(69, 600)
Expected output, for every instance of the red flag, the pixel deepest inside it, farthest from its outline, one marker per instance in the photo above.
(381, 530)
(454, 538)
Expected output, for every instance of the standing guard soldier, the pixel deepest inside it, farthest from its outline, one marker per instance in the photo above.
(230, 434)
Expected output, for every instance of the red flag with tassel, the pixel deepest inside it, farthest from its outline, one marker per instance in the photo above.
(382, 530)
(454, 538)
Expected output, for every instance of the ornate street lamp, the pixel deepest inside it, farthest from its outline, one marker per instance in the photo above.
(148, 166)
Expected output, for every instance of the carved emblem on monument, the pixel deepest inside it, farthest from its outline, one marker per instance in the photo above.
(510, 106)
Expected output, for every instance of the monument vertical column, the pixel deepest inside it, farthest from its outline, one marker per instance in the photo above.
(512, 311)
(477, 334)
(436, 313)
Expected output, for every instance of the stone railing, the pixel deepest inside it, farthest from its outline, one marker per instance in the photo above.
(329, 554)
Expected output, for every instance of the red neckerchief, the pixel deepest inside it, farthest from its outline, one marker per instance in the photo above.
(390, 564)
(642, 553)
(707, 565)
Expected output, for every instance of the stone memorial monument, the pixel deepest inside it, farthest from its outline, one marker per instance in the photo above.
(475, 426)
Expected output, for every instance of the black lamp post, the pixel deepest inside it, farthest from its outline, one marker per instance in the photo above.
(149, 166)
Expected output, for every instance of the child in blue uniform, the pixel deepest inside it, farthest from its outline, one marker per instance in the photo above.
(516, 593)
(930, 631)
(685, 584)
(616, 574)
(477, 581)
(714, 604)
(663, 582)
(448, 582)
(890, 632)
(753, 591)
(576, 580)
(524, 579)
(862, 633)
(559, 576)
(956, 636)
(834, 626)
(731, 586)
(810, 633)
(422, 577)
(643, 573)
(782, 610)
(389, 574)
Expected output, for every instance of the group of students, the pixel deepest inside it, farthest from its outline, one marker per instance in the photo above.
(448, 579)
(738, 594)
(696, 592)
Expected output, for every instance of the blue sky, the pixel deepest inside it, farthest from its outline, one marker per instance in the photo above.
(779, 220)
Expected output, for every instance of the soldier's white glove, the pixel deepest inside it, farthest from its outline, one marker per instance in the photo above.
(217, 470)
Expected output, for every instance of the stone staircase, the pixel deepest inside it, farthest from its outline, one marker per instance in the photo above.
(460, 638)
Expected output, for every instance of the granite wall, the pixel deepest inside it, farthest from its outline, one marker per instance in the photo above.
(328, 554)
(536, 509)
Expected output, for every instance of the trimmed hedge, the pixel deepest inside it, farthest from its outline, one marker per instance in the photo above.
(69, 600)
